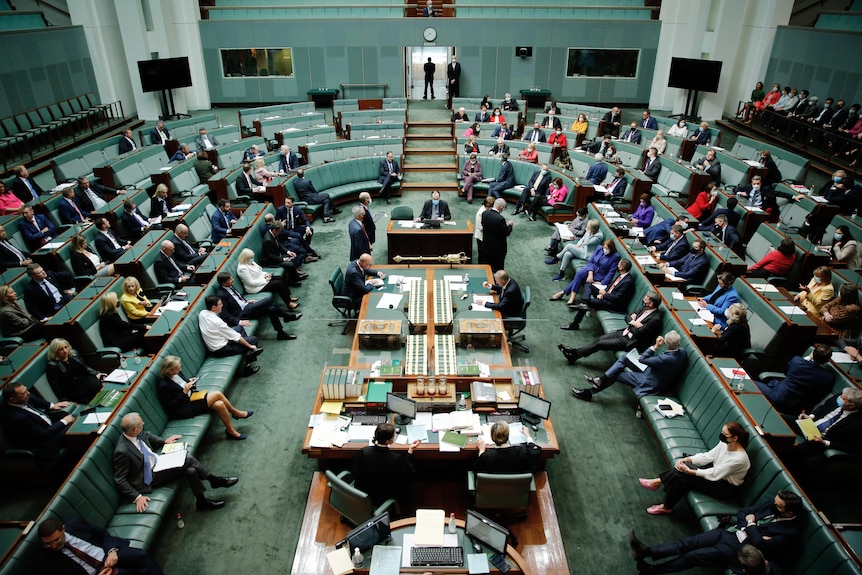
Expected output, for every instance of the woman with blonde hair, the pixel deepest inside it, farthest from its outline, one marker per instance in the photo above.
(658, 142)
(86, 262)
(580, 125)
(261, 174)
(470, 146)
(114, 330)
(181, 399)
(69, 377)
(735, 337)
(159, 202)
(255, 280)
(818, 291)
(134, 302)
(529, 154)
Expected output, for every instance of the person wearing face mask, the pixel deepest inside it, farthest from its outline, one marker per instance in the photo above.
(722, 297)
(287, 160)
(756, 96)
(600, 268)
(704, 202)
(580, 125)
(508, 104)
(535, 193)
(658, 142)
(658, 233)
(678, 130)
(597, 172)
(502, 131)
(551, 120)
(718, 472)
(751, 191)
(818, 291)
(841, 192)
(840, 426)
(472, 173)
(770, 99)
(691, 268)
(843, 313)
(632, 135)
(711, 165)
(674, 247)
(435, 209)
(558, 139)
(644, 214)
(773, 174)
(726, 233)
(844, 248)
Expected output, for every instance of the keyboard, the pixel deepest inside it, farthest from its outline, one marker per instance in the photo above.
(436, 556)
(361, 419)
(507, 417)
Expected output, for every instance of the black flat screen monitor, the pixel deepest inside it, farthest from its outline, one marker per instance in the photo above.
(486, 532)
(368, 534)
(431, 223)
(533, 407)
(164, 74)
(405, 409)
(698, 75)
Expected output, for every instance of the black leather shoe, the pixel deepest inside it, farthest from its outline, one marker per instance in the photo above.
(336, 210)
(580, 306)
(388, 202)
(639, 550)
(594, 381)
(205, 504)
(294, 299)
(291, 316)
(569, 352)
(328, 220)
(301, 275)
(252, 355)
(219, 481)
(284, 336)
(248, 413)
(582, 394)
(250, 370)
(571, 327)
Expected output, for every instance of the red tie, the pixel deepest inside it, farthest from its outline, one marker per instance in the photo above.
(89, 560)
(74, 205)
(613, 285)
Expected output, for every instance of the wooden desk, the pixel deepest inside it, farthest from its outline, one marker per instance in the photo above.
(161, 330)
(540, 541)
(821, 333)
(448, 239)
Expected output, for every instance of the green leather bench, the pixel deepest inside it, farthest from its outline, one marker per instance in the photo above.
(347, 149)
(793, 166)
(248, 116)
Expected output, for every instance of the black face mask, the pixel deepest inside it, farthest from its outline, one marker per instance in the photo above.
(694, 251)
(722, 438)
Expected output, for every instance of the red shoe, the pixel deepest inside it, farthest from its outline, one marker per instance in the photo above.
(658, 510)
(647, 484)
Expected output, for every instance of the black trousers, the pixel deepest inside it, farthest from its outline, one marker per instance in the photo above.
(717, 548)
(677, 485)
(194, 472)
(613, 341)
(264, 307)
(279, 287)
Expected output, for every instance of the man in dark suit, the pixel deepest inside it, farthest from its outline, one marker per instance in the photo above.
(711, 165)
(368, 220)
(237, 310)
(10, 255)
(701, 135)
(435, 209)
(135, 455)
(221, 221)
(505, 179)
(674, 247)
(135, 222)
(726, 233)
(251, 154)
(535, 191)
(453, 75)
(184, 252)
(612, 121)
(77, 547)
(47, 292)
(652, 165)
(274, 254)
(300, 233)
(247, 184)
(32, 423)
(632, 135)
(355, 286)
(109, 246)
(429, 68)
(614, 298)
(658, 377)
(287, 160)
(551, 121)
(840, 425)
(159, 134)
(360, 243)
(508, 104)
(535, 135)
(92, 196)
(389, 173)
(647, 121)
(729, 210)
(204, 141)
(127, 142)
(808, 380)
(24, 186)
(36, 228)
(600, 146)
(482, 115)
(598, 171)
(69, 210)
(691, 268)
(495, 231)
(511, 300)
(773, 526)
(506, 458)
(306, 192)
(643, 326)
(168, 270)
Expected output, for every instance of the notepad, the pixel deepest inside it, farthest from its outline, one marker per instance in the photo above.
(339, 561)
(429, 527)
(808, 428)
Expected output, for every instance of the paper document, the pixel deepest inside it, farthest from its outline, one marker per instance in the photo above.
(477, 563)
(808, 428)
(429, 527)
(479, 302)
(405, 223)
(734, 373)
(97, 418)
(361, 432)
(678, 295)
(457, 286)
(516, 434)
(390, 301)
(765, 288)
(564, 231)
(339, 561)
(51, 246)
(753, 163)
(644, 260)
(453, 278)
(791, 310)
(333, 407)
(175, 306)
(394, 279)
(698, 321)
(417, 432)
(173, 460)
(633, 356)
(841, 357)
(385, 560)
(707, 315)
(120, 376)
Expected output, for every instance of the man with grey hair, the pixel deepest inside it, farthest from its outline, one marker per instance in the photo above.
(840, 424)
(505, 179)
(287, 160)
(368, 221)
(495, 231)
(597, 172)
(655, 375)
(184, 252)
(360, 242)
(168, 271)
(135, 459)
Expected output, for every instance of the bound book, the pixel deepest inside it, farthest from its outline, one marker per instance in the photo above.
(483, 392)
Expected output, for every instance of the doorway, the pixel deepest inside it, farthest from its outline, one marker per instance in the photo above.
(418, 56)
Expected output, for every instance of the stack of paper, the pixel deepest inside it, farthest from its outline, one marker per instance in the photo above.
(429, 527)
(339, 561)
(452, 420)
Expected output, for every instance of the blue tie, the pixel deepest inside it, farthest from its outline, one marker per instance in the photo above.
(825, 425)
(32, 191)
(148, 465)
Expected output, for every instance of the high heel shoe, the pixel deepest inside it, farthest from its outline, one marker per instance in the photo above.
(555, 298)
(248, 414)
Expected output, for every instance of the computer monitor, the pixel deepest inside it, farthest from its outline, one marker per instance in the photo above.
(533, 407)
(486, 532)
(368, 534)
(431, 223)
(403, 408)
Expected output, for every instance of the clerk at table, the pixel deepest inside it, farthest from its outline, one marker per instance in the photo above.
(511, 300)
(355, 287)
(435, 209)
(383, 473)
(505, 458)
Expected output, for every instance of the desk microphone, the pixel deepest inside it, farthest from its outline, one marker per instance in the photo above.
(407, 317)
(759, 428)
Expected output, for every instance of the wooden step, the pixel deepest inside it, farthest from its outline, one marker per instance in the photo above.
(410, 136)
(444, 124)
(429, 167)
(429, 186)
(430, 151)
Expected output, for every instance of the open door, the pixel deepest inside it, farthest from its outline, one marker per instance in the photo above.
(414, 81)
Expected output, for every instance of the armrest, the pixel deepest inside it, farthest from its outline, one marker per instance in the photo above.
(696, 290)
(346, 476)
(107, 356)
(471, 481)
(754, 353)
(386, 505)
(767, 375)
(777, 280)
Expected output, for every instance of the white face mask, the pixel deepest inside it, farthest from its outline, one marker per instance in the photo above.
(606, 251)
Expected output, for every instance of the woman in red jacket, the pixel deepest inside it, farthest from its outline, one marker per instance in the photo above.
(704, 203)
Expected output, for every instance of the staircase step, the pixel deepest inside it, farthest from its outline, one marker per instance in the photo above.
(410, 136)
(431, 151)
(429, 167)
(429, 186)
(445, 124)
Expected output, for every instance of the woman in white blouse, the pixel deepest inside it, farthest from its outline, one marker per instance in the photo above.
(658, 142)
(87, 263)
(255, 280)
(718, 472)
(678, 130)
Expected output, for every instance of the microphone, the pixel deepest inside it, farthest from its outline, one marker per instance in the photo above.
(759, 428)
(410, 327)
